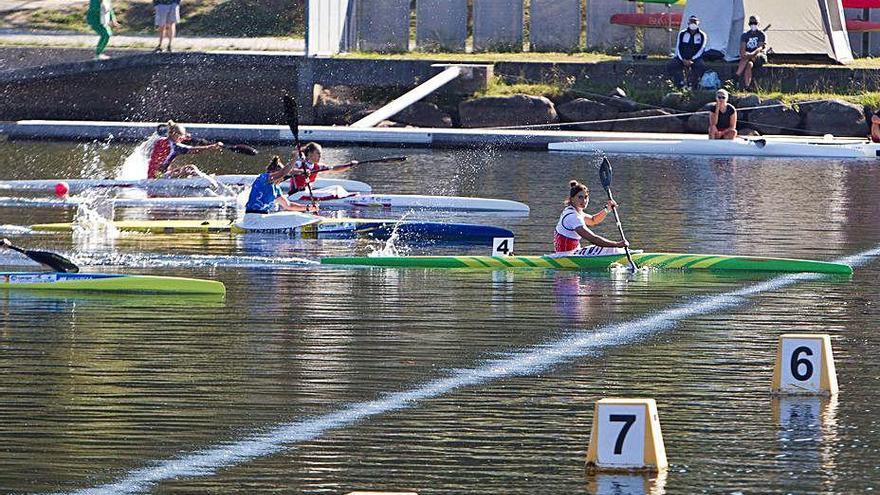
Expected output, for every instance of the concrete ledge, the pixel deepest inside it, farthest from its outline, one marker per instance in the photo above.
(275, 134)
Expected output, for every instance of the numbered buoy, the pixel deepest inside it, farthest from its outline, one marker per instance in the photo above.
(804, 365)
(626, 437)
(502, 246)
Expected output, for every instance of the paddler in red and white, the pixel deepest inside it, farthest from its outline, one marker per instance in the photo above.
(167, 148)
(311, 166)
(573, 224)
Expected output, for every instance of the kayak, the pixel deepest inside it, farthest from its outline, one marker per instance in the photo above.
(676, 261)
(306, 226)
(725, 147)
(107, 282)
(77, 186)
(332, 197)
(340, 197)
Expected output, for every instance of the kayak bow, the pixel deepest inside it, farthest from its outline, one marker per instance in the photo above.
(653, 260)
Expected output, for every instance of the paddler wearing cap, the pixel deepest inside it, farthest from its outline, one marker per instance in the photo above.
(266, 195)
(692, 42)
(167, 148)
(722, 117)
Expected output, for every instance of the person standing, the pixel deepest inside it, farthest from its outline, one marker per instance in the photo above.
(722, 117)
(101, 17)
(692, 42)
(752, 52)
(167, 17)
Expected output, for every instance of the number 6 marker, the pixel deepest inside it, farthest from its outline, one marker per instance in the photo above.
(804, 365)
(626, 437)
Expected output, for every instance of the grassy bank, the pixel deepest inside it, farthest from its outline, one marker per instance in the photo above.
(234, 18)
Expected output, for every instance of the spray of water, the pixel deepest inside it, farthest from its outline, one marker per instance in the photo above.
(135, 165)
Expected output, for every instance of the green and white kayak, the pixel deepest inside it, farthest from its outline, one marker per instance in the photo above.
(109, 282)
(669, 261)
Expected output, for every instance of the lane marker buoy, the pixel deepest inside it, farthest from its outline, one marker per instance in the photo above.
(626, 437)
(804, 365)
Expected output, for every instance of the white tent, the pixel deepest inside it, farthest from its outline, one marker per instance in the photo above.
(802, 28)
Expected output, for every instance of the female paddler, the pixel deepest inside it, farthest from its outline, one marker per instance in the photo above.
(573, 223)
(167, 148)
(266, 195)
(311, 163)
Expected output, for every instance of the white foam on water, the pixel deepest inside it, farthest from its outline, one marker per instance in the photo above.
(528, 362)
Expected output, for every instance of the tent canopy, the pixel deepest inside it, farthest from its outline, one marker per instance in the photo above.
(799, 28)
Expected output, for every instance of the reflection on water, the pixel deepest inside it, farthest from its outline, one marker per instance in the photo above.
(308, 379)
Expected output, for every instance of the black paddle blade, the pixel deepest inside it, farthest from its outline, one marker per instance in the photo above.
(292, 115)
(242, 149)
(605, 173)
(53, 260)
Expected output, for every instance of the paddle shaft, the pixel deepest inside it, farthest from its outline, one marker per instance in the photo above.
(293, 122)
(629, 257)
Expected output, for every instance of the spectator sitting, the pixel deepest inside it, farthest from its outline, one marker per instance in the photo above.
(688, 57)
(875, 127)
(722, 117)
(752, 52)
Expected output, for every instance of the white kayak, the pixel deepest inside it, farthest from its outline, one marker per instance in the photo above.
(326, 197)
(77, 186)
(337, 196)
(722, 147)
(195, 202)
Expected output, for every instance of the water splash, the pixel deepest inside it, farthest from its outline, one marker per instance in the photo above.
(529, 361)
(390, 246)
(135, 165)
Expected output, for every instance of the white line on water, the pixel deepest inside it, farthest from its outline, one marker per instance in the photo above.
(539, 358)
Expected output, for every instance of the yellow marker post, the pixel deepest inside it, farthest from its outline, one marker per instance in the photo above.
(804, 365)
(626, 437)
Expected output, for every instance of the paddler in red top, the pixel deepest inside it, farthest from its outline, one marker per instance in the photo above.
(312, 165)
(166, 149)
(573, 222)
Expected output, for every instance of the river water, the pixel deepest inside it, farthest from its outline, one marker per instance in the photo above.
(310, 379)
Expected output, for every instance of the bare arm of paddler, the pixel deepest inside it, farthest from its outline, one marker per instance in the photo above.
(598, 240)
(600, 217)
(283, 174)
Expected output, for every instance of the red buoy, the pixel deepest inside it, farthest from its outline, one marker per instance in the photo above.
(61, 189)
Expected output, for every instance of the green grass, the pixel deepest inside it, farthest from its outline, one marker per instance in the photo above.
(497, 87)
(236, 18)
(869, 99)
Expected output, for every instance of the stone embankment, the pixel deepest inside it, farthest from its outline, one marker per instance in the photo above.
(677, 113)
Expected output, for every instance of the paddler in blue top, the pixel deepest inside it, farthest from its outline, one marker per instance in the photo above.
(266, 195)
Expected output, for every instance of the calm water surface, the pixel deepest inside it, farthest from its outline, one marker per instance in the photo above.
(308, 379)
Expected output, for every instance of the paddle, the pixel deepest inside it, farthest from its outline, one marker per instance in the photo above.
(242, 149)
(387, 159)
(605, 176)
(390, 159)
(53, 260)
(292, 115)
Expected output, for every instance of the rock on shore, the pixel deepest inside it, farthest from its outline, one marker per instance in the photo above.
(679, 113)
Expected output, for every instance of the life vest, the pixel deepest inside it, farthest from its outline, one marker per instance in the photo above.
(298, 182)
(159, 158)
